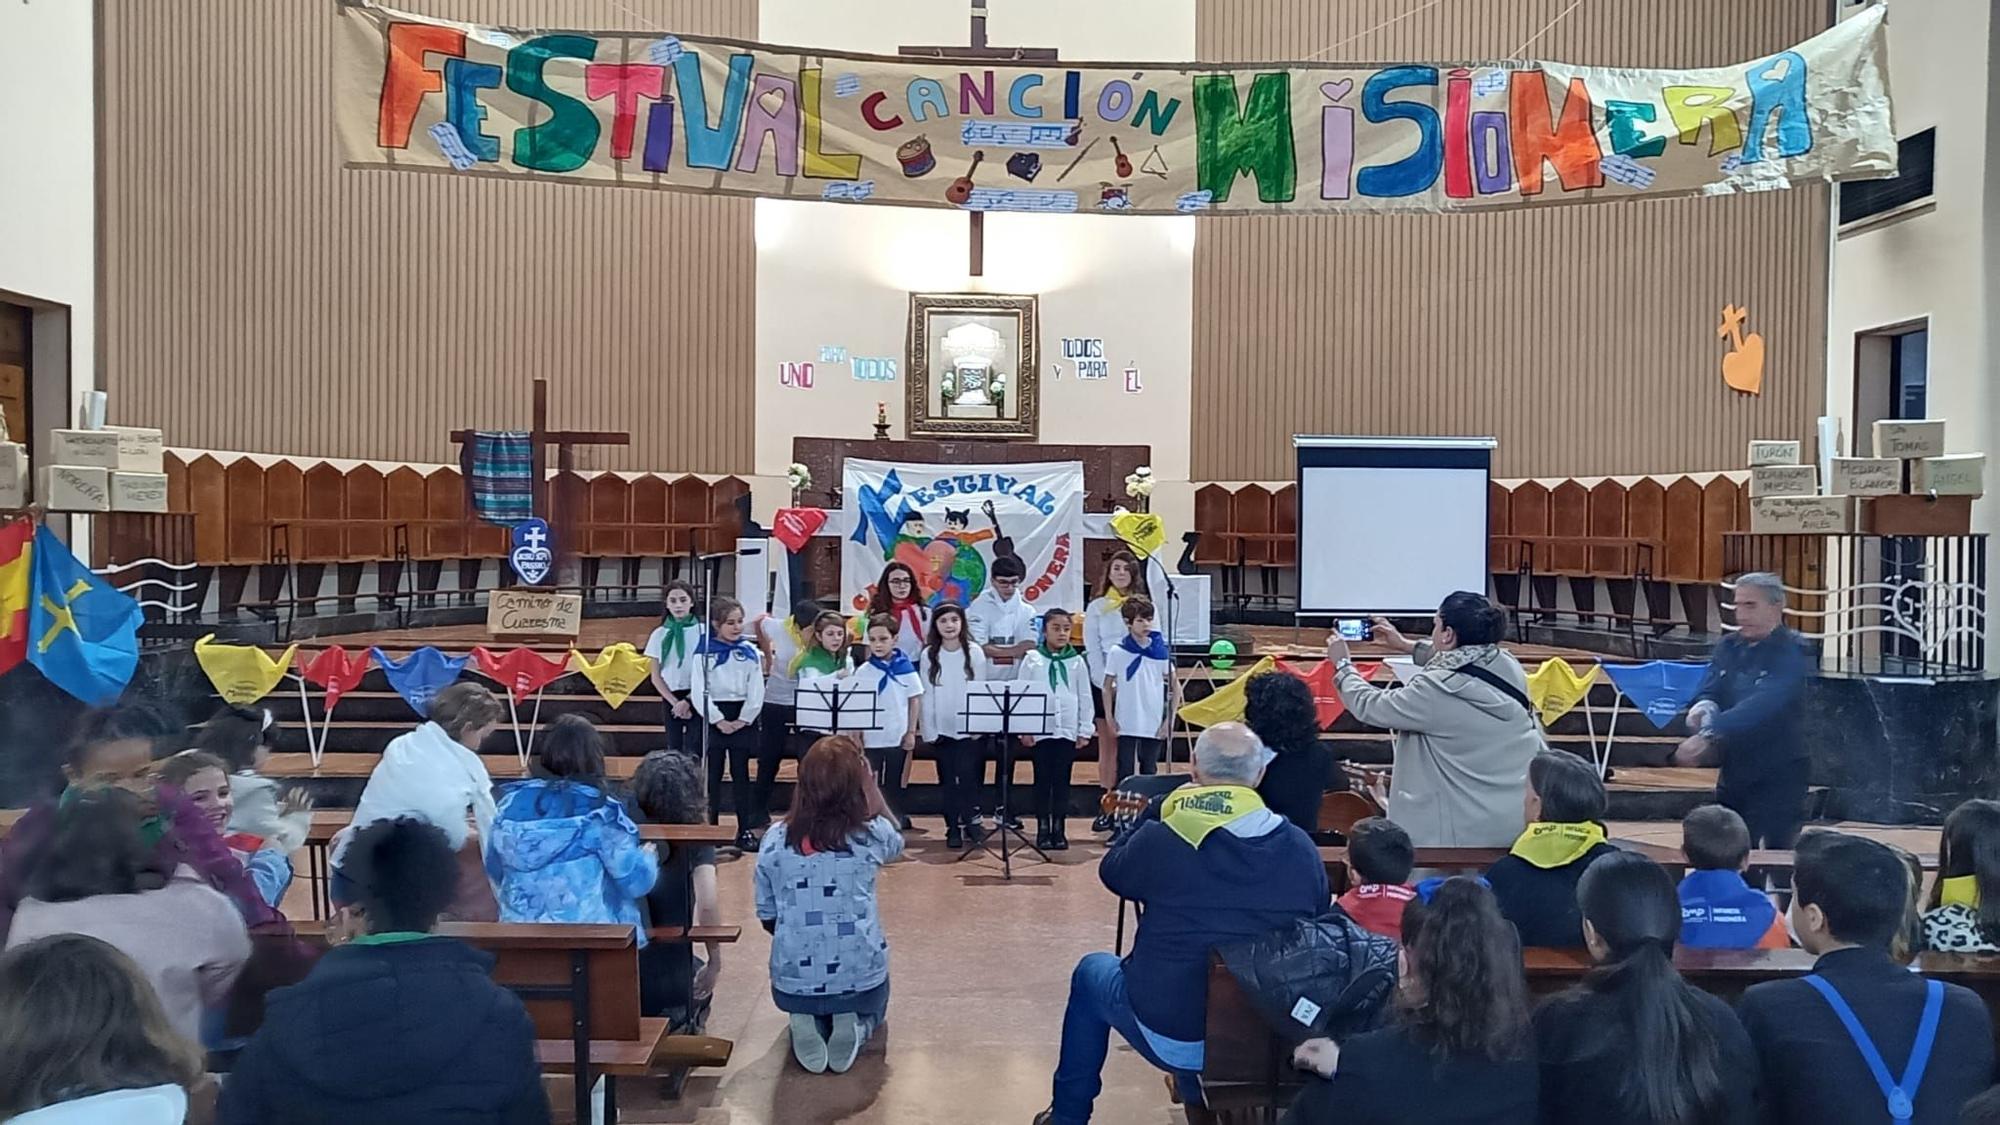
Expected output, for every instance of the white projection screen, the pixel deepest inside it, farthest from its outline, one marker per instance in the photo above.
(1390, 524)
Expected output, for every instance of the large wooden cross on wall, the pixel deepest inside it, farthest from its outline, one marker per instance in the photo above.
(979, 51)
(540, 438)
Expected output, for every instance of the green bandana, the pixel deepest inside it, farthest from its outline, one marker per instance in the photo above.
(674, 645)
(1193, 811)
(393, 937)
(1058, 663)
(815, 659)
(152, 830)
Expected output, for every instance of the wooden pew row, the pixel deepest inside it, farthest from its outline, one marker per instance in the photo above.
(1248, 1069)
(1459, 861)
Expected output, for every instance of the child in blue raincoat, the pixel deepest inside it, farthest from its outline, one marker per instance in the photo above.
(562, 848)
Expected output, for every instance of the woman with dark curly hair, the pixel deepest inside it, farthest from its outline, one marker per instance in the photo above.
(1458, 1048)
(1279, 707)
(674, 982)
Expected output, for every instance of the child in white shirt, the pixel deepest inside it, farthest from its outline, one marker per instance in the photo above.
(673, 647)
(898, 690)
(951, 662)
(726, 688)
(1103, 628)
(1001, 621)
(1057, 666)
(784, 640)
(823, 661)
(1138, 676)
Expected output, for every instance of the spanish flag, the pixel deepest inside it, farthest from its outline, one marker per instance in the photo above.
(16, 540)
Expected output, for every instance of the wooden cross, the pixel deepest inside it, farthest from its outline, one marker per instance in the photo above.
(540, 438)
(980, 52)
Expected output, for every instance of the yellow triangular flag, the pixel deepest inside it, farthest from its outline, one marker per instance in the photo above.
(1142, 531)
(242, 675)
(1225, 704)
(1555, 688)
(616, 673)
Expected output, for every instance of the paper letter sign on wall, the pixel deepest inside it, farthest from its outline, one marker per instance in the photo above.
(724, 117)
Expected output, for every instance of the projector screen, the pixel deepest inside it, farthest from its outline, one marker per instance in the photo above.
(1390, 525)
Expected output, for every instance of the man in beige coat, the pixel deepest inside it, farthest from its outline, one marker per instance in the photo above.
(1463, 740)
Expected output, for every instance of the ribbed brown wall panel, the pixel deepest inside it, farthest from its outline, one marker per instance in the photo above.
(257, 296)
(1582, 337)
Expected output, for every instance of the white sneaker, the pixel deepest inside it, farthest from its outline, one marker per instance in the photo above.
(845, 1043)
(808, 1047)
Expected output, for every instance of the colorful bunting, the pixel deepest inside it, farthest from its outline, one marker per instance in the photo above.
(420, 675)
(616, 673)
(1555, 688)
(1660, 689)
(242, 674)
(522, 671)
(331, 671)
(1326, 698)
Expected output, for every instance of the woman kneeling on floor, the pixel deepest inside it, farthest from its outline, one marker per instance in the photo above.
(816, 896)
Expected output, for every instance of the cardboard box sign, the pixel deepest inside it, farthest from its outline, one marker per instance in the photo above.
(1801, 515)
(1909, 440)
(13, 476)
(534, 613)
(92, 449)
(1866, 476)
(140, 450)
(1773, 453)
(1784, 480)
(76, 488)
(138, 492)
(1918, 515)
(1958, 474)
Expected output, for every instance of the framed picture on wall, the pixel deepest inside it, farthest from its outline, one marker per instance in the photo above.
(971, 362)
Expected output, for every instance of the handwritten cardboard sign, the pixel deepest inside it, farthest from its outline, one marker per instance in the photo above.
(1909, 438)
(1784, 480)
(534, 613)
(1774, 453)
(1866, 476)
(1801, 515)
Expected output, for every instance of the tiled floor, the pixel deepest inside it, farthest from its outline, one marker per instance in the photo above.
(979, 972)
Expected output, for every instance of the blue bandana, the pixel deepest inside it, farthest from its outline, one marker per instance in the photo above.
(1156, 649)
(898, 664)
(723, 651)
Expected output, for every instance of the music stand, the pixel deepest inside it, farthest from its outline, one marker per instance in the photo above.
(1007, 709)
(837, 708)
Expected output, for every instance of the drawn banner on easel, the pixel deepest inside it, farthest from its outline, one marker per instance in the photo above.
(722, 116)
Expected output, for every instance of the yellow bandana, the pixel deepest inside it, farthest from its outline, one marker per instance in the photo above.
(1547, 844)
(1194, 811)
(1115, 596)
(1959, 890)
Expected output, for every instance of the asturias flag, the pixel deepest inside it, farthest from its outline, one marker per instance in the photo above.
(15, 539)
(82, 633)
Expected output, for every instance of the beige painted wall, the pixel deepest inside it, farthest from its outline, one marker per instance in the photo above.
(1935, 263)
(828, 274)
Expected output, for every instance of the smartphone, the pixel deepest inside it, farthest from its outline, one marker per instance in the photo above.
(1354, 629)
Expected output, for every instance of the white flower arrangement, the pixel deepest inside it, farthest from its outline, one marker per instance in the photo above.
(1139, 485)
(798, 476)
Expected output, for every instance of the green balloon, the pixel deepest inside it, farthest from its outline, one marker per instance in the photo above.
(1222, 654)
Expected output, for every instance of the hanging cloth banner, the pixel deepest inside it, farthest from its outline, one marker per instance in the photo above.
(949, 522)
(242, 674)
(616, 673)
(420, 675)
(726, 117)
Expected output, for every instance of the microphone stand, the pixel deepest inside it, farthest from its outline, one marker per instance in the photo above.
(1173, 672)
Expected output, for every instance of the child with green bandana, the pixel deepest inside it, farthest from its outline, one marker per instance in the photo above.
(1536, 882)
(1058, 666)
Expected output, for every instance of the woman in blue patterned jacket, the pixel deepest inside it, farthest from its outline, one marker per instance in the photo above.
(562, 847)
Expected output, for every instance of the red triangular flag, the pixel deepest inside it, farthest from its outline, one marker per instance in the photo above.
(1326, 699)
(331, 670)
(523, 671)
(795, 527)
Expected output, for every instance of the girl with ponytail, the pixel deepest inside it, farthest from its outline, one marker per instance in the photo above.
(1634, 1042)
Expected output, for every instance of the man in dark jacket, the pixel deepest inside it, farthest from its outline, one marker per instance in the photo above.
(1217, 867)
(1847, 907)
(395, 1026)
(1747, 713)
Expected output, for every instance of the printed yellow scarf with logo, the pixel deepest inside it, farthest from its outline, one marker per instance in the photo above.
(1548, 844)
(1196, 810)
(1959, 890)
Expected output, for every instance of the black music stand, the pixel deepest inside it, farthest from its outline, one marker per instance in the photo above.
(834, 706)
(1009, 710)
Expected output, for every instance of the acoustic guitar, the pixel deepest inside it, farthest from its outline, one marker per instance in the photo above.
(1124, 161)
(961, 188)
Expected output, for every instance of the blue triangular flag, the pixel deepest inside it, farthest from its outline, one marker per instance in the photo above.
(1660, 689)
(82, 633)
(421, 675)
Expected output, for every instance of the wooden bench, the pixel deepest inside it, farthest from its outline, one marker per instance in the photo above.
(580, 984)
(1247, 1069)
(1469, 860)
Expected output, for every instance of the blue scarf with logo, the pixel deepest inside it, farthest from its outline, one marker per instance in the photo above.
(1721, 911)
(724, 651)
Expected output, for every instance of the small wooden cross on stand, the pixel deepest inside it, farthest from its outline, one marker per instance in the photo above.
(540, 438)
(979, 52)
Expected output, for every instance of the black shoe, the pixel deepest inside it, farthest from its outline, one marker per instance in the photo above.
(1042, 838)
(975, 833)
(1059, 837)
(902, 823)
(746, 841)
(1012, 821)
(953, 838)
(1101, 824)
